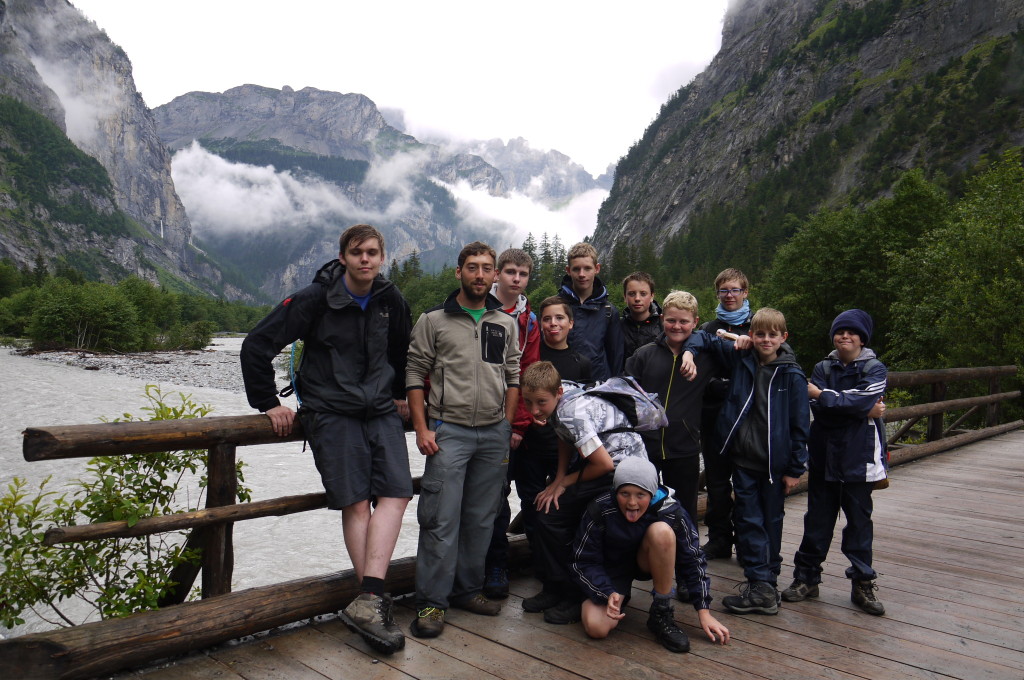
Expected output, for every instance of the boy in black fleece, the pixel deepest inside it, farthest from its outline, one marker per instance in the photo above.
(638, 531)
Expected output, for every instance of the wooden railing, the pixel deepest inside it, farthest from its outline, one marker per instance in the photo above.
(938, 435)
(106, 646)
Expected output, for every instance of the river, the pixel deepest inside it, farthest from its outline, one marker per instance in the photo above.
(268, 550)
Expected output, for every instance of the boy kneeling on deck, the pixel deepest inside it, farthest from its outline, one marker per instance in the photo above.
(639, 531)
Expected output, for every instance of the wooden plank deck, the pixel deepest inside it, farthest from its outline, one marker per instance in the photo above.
(949, 548)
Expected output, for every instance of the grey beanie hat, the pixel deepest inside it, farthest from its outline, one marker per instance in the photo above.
(638, 472)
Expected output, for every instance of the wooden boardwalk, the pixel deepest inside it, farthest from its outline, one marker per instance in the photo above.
(949, 548)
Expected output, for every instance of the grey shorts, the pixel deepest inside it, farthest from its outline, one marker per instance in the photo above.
(358, 460)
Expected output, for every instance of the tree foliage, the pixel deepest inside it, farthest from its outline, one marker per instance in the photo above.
(963, 283)
(943, 280)
(64, 311)
(841, 259)
(114, 576)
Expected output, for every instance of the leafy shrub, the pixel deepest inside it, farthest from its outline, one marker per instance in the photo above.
(113, 576)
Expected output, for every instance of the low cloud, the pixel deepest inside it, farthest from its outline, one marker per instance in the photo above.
(221, 196)
(571, 222)
(224, 197)
(89, 95)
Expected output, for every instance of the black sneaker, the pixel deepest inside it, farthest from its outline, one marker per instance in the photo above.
(798, 591)
(496, 583)
(758, 597)
(663, 625)
(545, 599)
(863, 596)
(565, 612)
(717, 549)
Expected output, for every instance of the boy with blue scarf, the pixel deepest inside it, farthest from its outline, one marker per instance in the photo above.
(733, 316)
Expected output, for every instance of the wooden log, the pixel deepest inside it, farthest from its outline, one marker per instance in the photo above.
(919, 410)
(928, 377)
(992, 413)
(107, 646)
(934, 430)
(909, 452)
(118, 439)
(904, 429)
(183, 575)
(286, 505)
(218, 546)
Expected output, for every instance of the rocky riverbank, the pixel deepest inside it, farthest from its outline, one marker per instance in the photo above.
(216, 366)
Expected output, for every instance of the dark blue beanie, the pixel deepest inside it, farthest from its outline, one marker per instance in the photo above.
(857, 320)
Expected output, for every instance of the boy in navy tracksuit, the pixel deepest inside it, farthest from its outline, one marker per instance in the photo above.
(763, 429)
(638, 531)
(847, 458)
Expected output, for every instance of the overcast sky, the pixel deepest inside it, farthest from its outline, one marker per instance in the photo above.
(585, 78)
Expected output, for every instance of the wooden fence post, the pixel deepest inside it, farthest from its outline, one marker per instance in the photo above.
(218, 547)
(935, 421)
(992, 415)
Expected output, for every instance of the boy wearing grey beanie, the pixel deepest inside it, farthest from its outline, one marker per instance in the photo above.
(639, 531)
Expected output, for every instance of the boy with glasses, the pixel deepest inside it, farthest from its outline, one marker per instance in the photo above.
(733, 316)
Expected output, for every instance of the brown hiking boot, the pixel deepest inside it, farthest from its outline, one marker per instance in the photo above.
(798, 591)
(429, 622)
(369, 615)
(863, 595)
(478, 604)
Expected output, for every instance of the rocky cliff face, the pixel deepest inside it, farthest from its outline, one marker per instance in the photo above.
(547, 176)
(328, 123)
(61, 65)
(801, 77)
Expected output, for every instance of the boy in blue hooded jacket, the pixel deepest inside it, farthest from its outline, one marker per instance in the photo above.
(763, 428)
(847, 458)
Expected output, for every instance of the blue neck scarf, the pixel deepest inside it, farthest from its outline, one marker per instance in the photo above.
(734, 318)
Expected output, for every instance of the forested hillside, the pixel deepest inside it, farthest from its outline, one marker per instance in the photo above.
(844, 154)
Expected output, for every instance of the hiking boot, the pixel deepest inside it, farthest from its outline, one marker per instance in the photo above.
(429, 623)
(863, 596)
(369, 616)
(758, 597)
(663, 625)
(565, 612)
(478, 604)
(545, 599)
(717, 549)
(496, 583)
(798, 591)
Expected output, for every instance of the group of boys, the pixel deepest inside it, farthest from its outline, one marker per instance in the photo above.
(480, 377)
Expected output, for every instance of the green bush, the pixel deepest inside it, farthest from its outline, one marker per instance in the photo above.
(114, 576)
(93, 316)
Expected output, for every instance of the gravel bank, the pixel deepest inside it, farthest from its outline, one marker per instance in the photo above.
(216, 366)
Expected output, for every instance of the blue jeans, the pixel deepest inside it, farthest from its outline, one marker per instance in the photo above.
(758, 515)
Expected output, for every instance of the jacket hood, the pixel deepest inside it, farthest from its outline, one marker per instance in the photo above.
(655, 316)
(865, 354)
(521, 301)
(786, 357)
(600, 291)
(330, 275)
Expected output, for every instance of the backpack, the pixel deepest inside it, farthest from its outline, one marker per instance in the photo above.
(643, 410)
